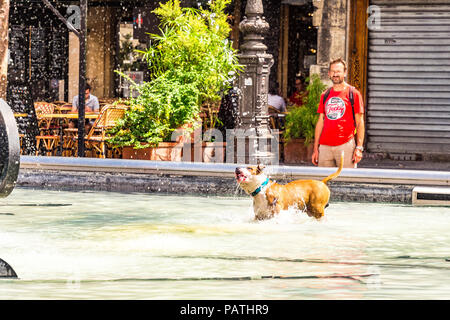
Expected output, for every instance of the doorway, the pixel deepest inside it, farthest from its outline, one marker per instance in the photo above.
(298, 44)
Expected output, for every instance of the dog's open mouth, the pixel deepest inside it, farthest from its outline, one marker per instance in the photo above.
(240, 176)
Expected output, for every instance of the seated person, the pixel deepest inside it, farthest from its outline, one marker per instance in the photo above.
(91, 105)
(299, 92)
(274, 99)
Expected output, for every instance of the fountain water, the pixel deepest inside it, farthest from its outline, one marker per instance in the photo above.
(112, 245)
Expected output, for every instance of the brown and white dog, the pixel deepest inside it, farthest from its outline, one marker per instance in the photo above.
(269, 197)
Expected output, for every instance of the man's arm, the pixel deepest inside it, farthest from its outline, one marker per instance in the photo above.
(283, 106)
(317, 134)
(96, 107)
(360, 130)
(75, 104)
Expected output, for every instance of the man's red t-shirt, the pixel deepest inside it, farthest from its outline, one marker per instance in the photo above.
(338, 126)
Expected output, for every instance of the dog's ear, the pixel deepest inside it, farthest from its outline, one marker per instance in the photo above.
(260, 168)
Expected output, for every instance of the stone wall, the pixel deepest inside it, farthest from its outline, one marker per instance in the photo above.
(194, 185)
(100, 51)
(99, 54)
(331, 19)
(74, 58)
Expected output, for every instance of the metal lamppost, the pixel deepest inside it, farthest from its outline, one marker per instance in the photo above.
(82, 66)
(82, 77)
(253, 84)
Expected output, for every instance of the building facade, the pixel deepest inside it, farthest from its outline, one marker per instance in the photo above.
(398, 55)
(401, 60)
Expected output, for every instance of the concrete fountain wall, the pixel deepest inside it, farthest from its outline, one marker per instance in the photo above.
(208, 179)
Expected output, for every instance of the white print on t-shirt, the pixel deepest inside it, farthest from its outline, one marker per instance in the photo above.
(335, 108)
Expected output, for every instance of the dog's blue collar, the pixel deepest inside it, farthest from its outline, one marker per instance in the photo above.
(258, 190)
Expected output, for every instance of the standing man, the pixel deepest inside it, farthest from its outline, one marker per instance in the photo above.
(339, 122)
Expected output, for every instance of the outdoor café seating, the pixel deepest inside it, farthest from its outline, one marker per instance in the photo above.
(276, 118)
(95, 141)
(54, 137)
(69, 145)
(48, 137)
(63, 108)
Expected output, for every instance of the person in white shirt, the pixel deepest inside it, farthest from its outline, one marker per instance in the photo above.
(91, 105)
(274, 99)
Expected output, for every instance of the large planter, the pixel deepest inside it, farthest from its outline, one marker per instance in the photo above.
(295, 151)
(183, 134)
(165, 151)
(206, 152)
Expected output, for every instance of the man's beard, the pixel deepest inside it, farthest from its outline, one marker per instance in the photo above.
(337, 80)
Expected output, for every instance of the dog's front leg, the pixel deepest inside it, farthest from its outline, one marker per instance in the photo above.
(274, 205)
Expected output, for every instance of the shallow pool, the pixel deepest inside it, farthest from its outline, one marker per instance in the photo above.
(98, 245)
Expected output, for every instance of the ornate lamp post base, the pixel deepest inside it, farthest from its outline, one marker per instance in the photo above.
(253, 84)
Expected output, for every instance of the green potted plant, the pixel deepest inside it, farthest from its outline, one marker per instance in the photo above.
(301, 122)
(190, 62)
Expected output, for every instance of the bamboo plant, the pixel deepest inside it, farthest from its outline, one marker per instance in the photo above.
(301, 121)
(190, 63)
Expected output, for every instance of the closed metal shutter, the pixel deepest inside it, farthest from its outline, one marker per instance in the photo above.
(408, 105)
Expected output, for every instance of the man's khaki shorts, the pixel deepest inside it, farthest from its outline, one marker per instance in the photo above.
(330, 156)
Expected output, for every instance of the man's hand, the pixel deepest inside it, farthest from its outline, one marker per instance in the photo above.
(357, 156)
(357, 153)
(315, 157)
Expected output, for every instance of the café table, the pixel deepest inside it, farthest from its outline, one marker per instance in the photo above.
(20, 115)
(63, 109)
(88, 115)
(66, 116)
(62, 117)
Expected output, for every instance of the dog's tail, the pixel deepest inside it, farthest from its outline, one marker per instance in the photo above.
(334, 175)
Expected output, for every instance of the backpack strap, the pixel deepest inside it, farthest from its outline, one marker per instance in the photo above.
(352, 102)
(325, 96)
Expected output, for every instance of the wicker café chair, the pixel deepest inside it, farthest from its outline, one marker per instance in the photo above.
(48, 137)
(273, 117)
(95, 140)
(69, 145)
(42, 108)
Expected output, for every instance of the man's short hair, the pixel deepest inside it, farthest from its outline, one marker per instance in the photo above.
(87, 87)
(338, 60)
(273, 87)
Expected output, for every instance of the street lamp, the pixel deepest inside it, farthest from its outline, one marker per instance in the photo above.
(253, 84)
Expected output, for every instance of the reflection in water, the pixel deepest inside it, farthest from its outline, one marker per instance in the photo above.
(95, 245)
